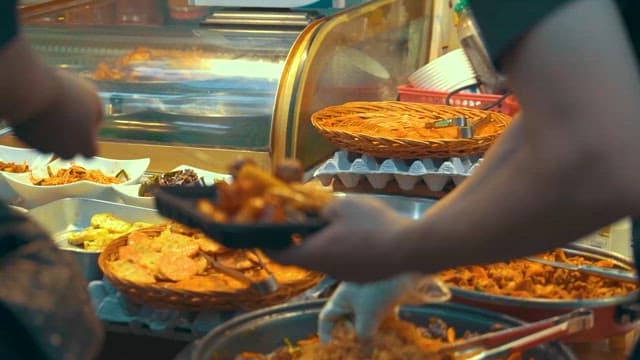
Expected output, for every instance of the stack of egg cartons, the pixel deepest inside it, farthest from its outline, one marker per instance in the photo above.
(351, 169)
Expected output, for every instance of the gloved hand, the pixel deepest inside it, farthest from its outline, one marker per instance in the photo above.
(368, 304)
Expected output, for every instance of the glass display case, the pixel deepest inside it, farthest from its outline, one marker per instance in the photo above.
(222, 83)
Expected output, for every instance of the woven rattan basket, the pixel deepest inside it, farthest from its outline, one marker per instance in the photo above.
(163, 294)
(401, 130)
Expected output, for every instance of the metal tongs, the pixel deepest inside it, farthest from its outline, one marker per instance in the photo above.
(266, 286)
(465, 128)
(492, 345)
(616, 274)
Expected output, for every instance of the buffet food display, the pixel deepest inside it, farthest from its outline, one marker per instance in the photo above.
(176, 267)
(395, 340)
(103, 228)
(148, 64)
(527, 279)
(75, 173)
(286, 332)
(405, 130)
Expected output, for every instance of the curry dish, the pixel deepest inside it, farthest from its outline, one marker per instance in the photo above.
(527, 279)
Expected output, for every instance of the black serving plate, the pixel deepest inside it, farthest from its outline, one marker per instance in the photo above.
(179, 203)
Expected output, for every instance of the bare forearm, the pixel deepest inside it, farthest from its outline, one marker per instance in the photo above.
(518, 211)
(572, 173)
(505, 147)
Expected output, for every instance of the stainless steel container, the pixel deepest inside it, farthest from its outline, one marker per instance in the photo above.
(263, 331)
(613, 315)
(72, 214)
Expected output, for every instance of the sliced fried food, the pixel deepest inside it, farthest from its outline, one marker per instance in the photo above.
(209, 246)
(177, 267)
(130, 271)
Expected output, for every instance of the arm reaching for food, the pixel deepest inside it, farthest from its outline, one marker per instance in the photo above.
(369, 304)
(570, 175)
(49, 110)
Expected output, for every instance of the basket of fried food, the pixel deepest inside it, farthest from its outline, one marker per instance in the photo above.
(257, 209)
(405, 130)
(172, 266)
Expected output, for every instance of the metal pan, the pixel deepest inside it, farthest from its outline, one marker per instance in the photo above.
(264, 330)
(613, 315)
(65, 215)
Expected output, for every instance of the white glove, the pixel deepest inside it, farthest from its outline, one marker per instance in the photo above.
(367, 304)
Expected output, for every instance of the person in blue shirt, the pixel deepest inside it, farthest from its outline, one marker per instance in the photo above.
(564, 168)
(45, 311)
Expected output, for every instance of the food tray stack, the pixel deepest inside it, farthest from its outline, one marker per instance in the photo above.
(118, 314)
(351, 171)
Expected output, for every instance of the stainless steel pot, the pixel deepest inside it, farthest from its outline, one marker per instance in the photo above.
(613, 315)
(264, 330)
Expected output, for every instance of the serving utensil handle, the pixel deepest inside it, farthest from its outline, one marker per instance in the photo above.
(576, 321)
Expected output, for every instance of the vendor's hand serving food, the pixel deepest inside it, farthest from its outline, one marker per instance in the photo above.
(257, 196)
(369, 304)
(366, 229)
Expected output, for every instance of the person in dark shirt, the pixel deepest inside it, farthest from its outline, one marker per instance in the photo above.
(45, 311)
(564, 168)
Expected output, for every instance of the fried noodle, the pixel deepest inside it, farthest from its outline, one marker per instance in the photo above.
(76, 173)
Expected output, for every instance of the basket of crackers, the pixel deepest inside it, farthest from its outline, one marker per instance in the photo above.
(406, 130)
(176, 267)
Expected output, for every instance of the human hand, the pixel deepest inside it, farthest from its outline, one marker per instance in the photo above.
(361, 242)
(368, 304)
(69, 124)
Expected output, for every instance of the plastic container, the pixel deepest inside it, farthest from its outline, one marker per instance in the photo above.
(411, 94)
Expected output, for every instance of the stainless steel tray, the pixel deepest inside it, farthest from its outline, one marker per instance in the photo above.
(65, 215)
(411, 207)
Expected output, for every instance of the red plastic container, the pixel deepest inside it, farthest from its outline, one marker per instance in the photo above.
(408, 93)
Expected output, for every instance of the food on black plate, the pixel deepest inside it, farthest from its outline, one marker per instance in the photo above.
(173, 178)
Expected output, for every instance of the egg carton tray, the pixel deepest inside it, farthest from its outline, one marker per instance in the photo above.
(118, 314)
(350, 168)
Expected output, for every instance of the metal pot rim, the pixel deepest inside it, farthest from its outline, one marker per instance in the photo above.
(253, 319)
(558, 304)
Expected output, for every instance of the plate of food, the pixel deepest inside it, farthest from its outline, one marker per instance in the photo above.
(84, 227)
(256, 209)
(183, 175)
(78, 177)
(17, 160)
(531, 290)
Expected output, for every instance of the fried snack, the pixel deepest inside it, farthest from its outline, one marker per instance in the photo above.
(256, 196)
(526, 279)
(13, 167)
(103, 228)
(175, 256)
(76, 173)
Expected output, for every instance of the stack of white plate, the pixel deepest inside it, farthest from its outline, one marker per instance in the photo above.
(447, 73)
